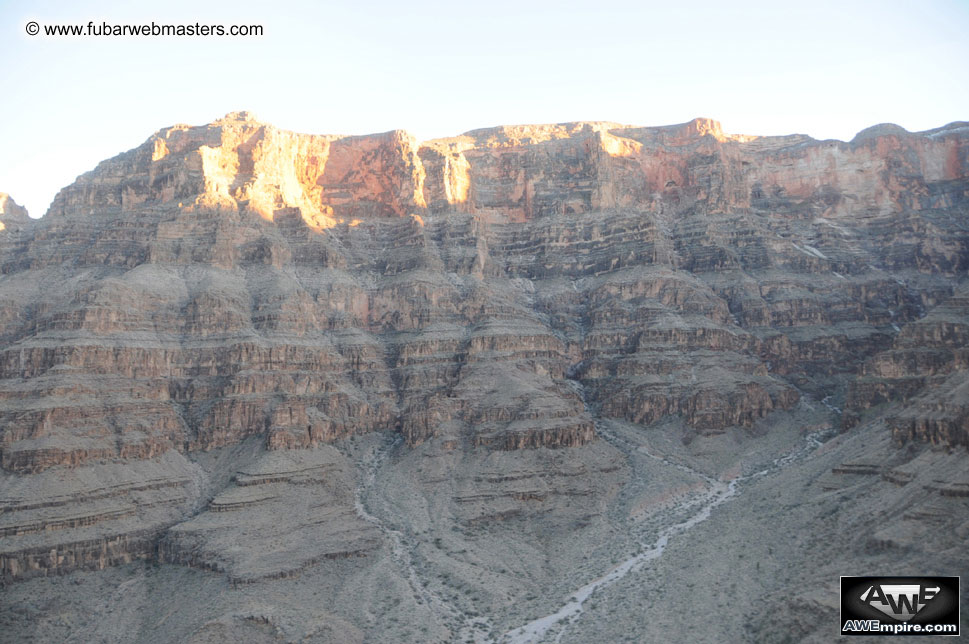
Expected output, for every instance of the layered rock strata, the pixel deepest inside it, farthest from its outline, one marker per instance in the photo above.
(924, 376)
(495, 291)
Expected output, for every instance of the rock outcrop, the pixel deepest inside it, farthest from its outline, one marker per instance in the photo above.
(925, 374)
(297, 509)
(13, 216)
(494, 291)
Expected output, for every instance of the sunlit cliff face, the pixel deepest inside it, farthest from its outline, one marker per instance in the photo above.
(11, 213)
(509, 173)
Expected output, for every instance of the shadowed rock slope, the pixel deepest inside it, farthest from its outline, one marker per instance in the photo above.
(200, 331)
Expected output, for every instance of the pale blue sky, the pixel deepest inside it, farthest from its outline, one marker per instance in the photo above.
(823, 68)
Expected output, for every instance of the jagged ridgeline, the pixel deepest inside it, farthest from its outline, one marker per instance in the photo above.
(236, 300)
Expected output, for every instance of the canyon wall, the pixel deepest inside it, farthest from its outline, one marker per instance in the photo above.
(497, 291)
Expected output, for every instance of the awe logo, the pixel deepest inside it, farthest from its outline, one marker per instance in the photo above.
(899, 606)
(901, 601)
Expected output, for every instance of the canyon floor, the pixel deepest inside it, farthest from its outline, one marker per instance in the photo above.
(758, 562)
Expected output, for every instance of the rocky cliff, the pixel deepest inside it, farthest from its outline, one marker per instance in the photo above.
(236, 286)
(12, 216)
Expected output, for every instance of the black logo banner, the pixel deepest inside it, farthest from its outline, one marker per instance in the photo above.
(900, 606)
